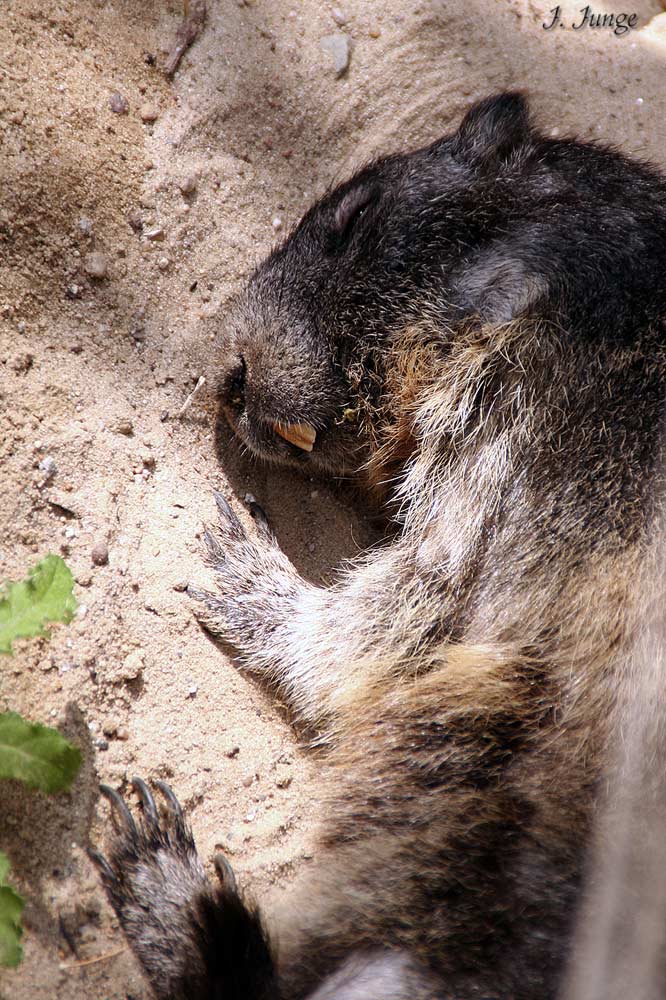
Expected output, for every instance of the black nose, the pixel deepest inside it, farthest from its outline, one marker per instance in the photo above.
(235, 387)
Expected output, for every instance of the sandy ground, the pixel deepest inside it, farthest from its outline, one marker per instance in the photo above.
(93, 371)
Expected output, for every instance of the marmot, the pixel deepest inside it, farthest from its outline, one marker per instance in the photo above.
(477, 328)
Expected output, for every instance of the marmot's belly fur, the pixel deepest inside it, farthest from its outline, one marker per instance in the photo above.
(477, 329)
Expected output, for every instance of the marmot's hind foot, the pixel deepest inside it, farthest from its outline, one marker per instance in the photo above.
(187, 933)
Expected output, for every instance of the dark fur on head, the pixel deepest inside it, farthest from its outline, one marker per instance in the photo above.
(493, 222)
(480, 325)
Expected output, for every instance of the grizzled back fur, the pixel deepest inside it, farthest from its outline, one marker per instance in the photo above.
(477, 329)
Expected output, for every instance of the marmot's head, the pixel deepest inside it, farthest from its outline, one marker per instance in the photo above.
(487, 225)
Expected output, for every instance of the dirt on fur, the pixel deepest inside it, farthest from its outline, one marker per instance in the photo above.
(131, 209)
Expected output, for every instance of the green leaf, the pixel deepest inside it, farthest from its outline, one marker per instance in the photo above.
(36, 755)
(11, 906)
(46, 596)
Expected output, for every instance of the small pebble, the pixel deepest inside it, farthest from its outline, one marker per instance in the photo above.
(101, 743)
(233, 752)
(16, 117)
(132, 666)
(148, 113)
(118, 104)
(338, 48)
(188, 185)
(283, 778)
(164, 416)
(48, 468)
(163, 263)
(192, 691)
(96, 265)
(339, 16)
(99, 554)
(123, 426)
(136, 221)
(85, 225)
(156, 234)
(374, 31)
(276, 222)
(180, 586)
(74, 291)
(247, 780)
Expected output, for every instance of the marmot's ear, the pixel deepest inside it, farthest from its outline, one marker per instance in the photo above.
(492, 129)
(498, 287)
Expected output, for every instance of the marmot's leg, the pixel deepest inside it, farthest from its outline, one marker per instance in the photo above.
(194, 940)
(316, 643)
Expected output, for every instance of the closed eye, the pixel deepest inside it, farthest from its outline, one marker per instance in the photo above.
(351, 209)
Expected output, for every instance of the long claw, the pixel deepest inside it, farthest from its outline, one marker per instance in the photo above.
(147, 801)
(226, 511)
(100, 861)
(212, 543)
(260, 519)
(119, 808)
(225, 872)
(171, 800)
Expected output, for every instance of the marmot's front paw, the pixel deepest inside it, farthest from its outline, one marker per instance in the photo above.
(257, 585)
(154, 880)
(192, 938)
(139, 871)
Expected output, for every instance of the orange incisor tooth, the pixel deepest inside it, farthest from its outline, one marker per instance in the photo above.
(301, 435)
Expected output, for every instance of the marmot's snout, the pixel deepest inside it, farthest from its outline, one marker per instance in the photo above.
(281, 388)
(299, 433)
